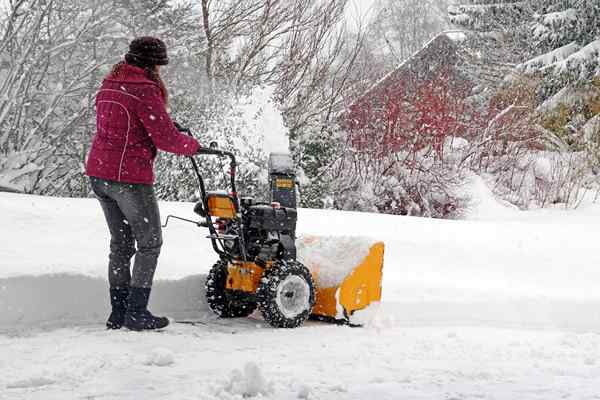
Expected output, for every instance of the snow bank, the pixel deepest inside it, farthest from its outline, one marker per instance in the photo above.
(54, 300)
(500, 267)
(331, 258)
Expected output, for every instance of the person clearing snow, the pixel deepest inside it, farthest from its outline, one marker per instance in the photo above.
(132, 123)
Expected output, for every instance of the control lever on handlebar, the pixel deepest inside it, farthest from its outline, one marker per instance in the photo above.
(205, 150)
(211, 150)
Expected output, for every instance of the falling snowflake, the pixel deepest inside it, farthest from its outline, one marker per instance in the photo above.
(152, 117)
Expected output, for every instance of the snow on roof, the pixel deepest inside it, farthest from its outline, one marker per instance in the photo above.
(456, 36)
(450, 37)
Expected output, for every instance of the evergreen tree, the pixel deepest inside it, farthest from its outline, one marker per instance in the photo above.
(560, 29)
(567, 35)
(567, 38)
(498, 27)
(557, 42)
(489, 15)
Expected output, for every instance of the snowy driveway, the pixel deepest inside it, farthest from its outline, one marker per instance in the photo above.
(504, 307)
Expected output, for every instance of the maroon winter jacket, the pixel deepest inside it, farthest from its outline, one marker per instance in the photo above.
(131, 124)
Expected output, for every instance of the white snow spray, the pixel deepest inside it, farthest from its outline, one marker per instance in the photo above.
(264, 118)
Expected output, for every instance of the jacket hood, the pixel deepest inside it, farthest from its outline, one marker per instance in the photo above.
(123, 72)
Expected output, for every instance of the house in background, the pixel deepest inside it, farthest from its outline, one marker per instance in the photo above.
(433, 96)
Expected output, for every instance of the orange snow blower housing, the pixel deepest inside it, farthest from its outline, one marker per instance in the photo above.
(338, 302)
(357, 290)
(260, 267)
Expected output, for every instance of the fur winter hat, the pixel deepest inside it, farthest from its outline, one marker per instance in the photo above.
(147, 51)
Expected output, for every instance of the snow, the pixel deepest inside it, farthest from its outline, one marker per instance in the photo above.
(281, 162)
(16, 172)
(332, 258)
(501, 305)
(304, 392)
(483, 204)
(34, 382)
(569, 96)
(456, 36)
(366, 317)
(550, 58)
(264, 118)
(567, 59)
(591, 129)
(160, 357)
(578, 59)
(542, 169)
(248, 383)
(560, 18)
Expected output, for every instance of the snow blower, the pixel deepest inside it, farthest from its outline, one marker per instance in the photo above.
(258, 263)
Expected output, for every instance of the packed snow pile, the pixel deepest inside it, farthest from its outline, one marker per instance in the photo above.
(332, 258)
(367, 317)
(160, 357)
(248, 383)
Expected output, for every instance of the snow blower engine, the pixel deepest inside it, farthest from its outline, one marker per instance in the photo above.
(256, 244)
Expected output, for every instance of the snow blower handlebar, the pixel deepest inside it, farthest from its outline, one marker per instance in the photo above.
(213, 150)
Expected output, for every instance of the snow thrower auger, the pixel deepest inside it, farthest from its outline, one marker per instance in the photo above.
(258, 266)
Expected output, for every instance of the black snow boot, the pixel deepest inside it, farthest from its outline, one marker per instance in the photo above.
(118, 301)
(137, 317)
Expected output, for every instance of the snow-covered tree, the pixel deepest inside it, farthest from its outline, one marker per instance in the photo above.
(401, 27)
(554, 48)
(567, 35)
(489, 15)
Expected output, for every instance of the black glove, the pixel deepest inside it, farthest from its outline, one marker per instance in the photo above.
(179, 127)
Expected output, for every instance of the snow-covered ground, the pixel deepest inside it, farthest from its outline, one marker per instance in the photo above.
(504, 305)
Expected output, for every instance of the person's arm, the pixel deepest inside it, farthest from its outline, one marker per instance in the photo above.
(163, 133)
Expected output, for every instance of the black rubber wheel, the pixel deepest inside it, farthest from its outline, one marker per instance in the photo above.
(286, 294)
(217, 299)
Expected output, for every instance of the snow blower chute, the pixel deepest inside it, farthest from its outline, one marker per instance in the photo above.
(263, 265)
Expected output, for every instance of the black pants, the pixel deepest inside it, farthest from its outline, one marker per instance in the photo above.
(132, 215)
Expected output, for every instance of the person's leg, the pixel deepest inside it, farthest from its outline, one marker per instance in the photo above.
(121, 250)
(138, 204)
